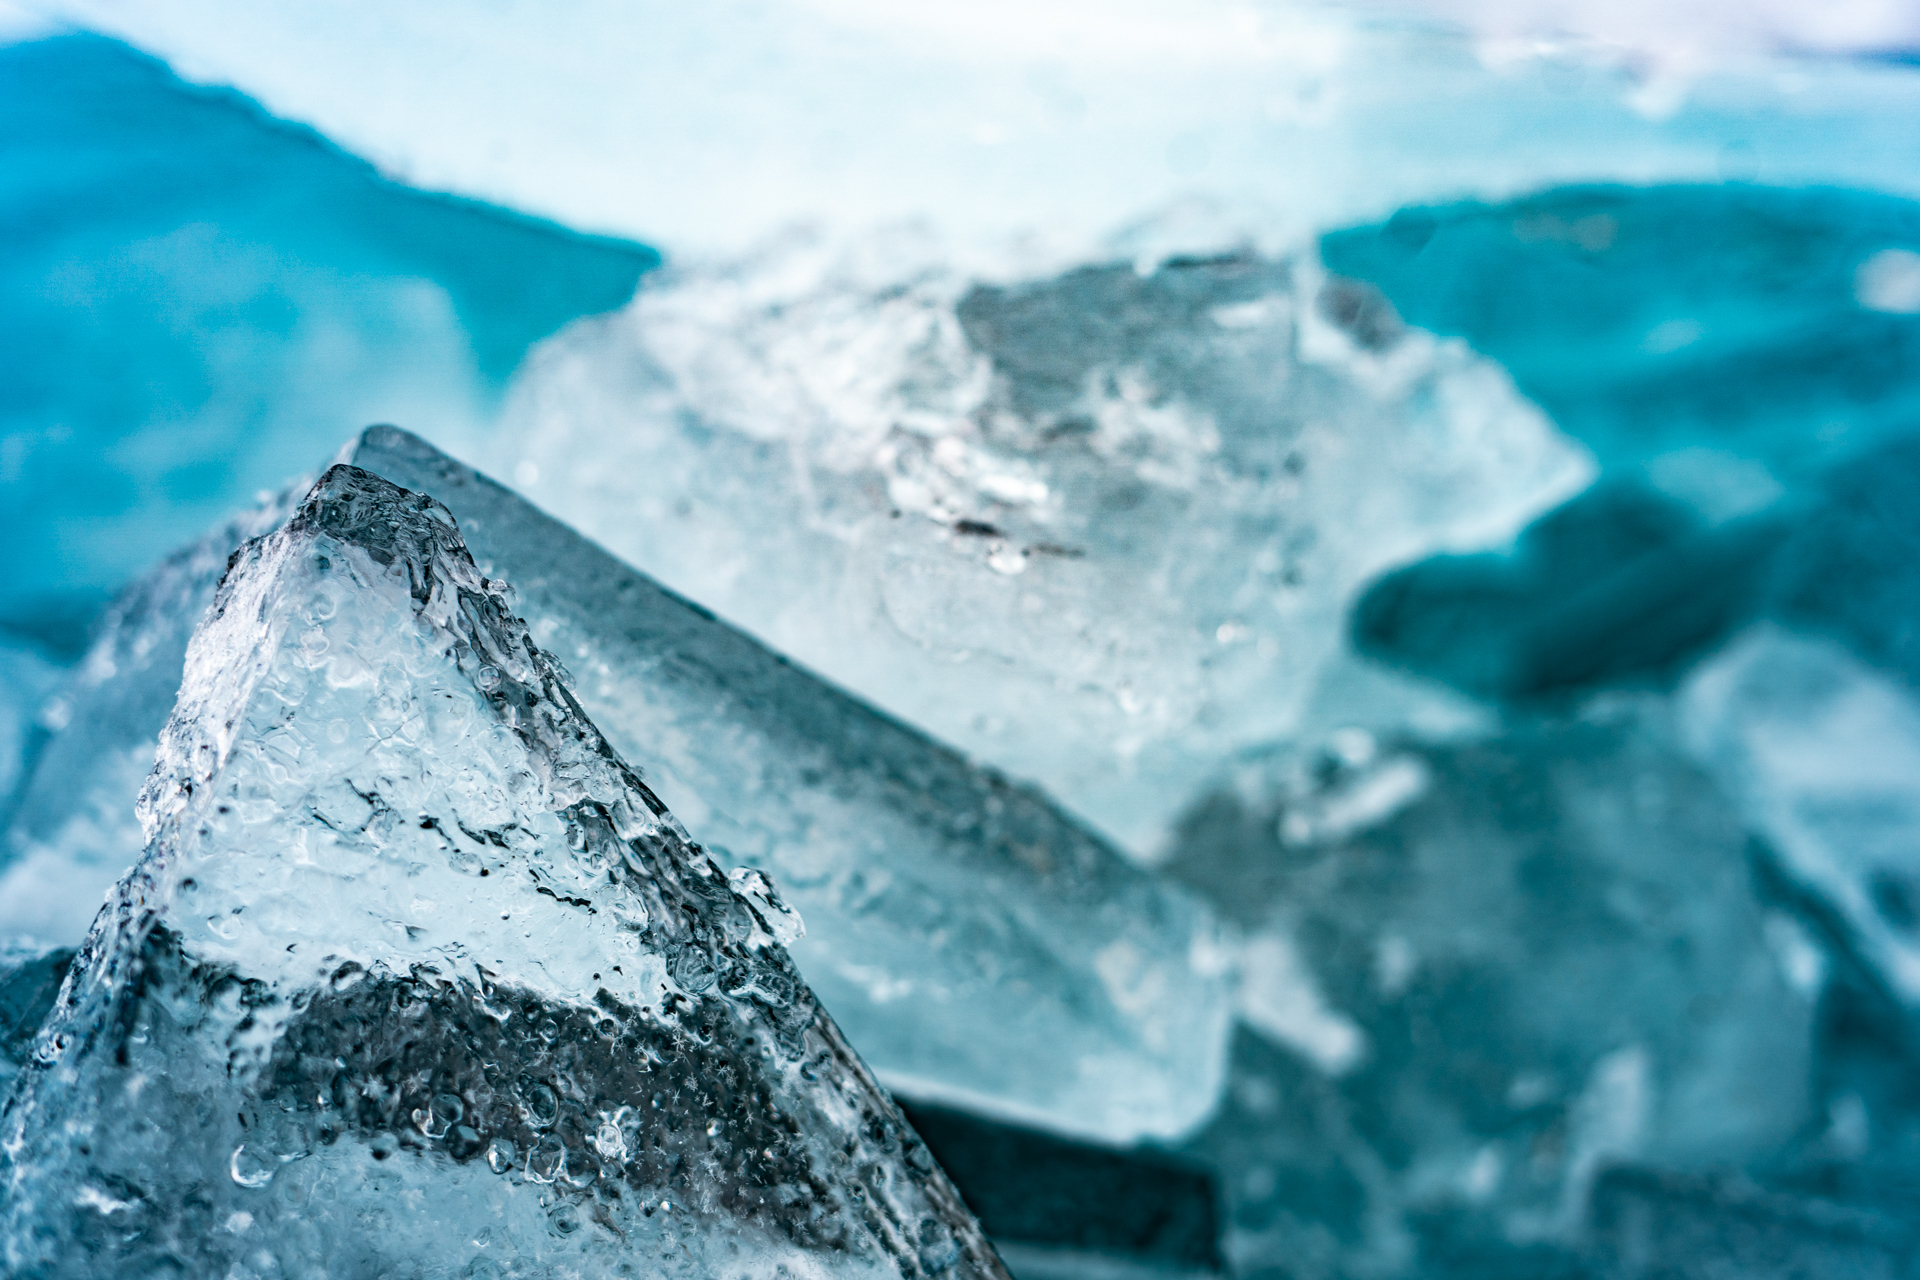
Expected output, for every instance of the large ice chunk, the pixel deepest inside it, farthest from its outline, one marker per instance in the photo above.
(1475, 975)
(1098, 528)
(980, 946)
(418, 977)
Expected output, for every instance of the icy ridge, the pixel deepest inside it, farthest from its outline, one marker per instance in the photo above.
(379, 812)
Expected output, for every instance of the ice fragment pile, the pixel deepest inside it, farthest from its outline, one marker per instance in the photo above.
(978, 944)
(413, 958)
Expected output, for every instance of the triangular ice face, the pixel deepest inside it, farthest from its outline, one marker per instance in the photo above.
(417, 977)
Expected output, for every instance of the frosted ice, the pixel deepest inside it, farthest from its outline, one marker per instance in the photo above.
(417, 976)
(1098, 529)
(704, 127)
(980, 946)
(1475, 976)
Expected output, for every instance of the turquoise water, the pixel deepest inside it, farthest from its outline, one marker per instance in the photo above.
(1744, 361)
(1648, 320)
(202, 301)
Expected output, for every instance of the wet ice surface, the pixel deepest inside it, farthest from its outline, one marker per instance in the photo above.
(978, 944)
(414, 959)
(1564, 836)
(1098, 528)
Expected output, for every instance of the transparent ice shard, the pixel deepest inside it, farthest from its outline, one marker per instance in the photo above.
(978, 945)
(416, 976)
(1822, 753)
(1477, 974)
(1099, 528)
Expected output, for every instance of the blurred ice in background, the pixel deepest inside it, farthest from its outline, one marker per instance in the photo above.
(1433, 483)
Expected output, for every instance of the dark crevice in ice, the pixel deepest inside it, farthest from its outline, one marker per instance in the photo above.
(1038, 1189)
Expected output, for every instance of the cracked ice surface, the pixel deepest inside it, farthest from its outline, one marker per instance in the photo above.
(1098, 528)
(413, 957)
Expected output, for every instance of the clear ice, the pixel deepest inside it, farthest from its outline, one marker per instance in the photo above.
(1564, 847)
(418, 977)
(980, 946)
(1099, 529)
